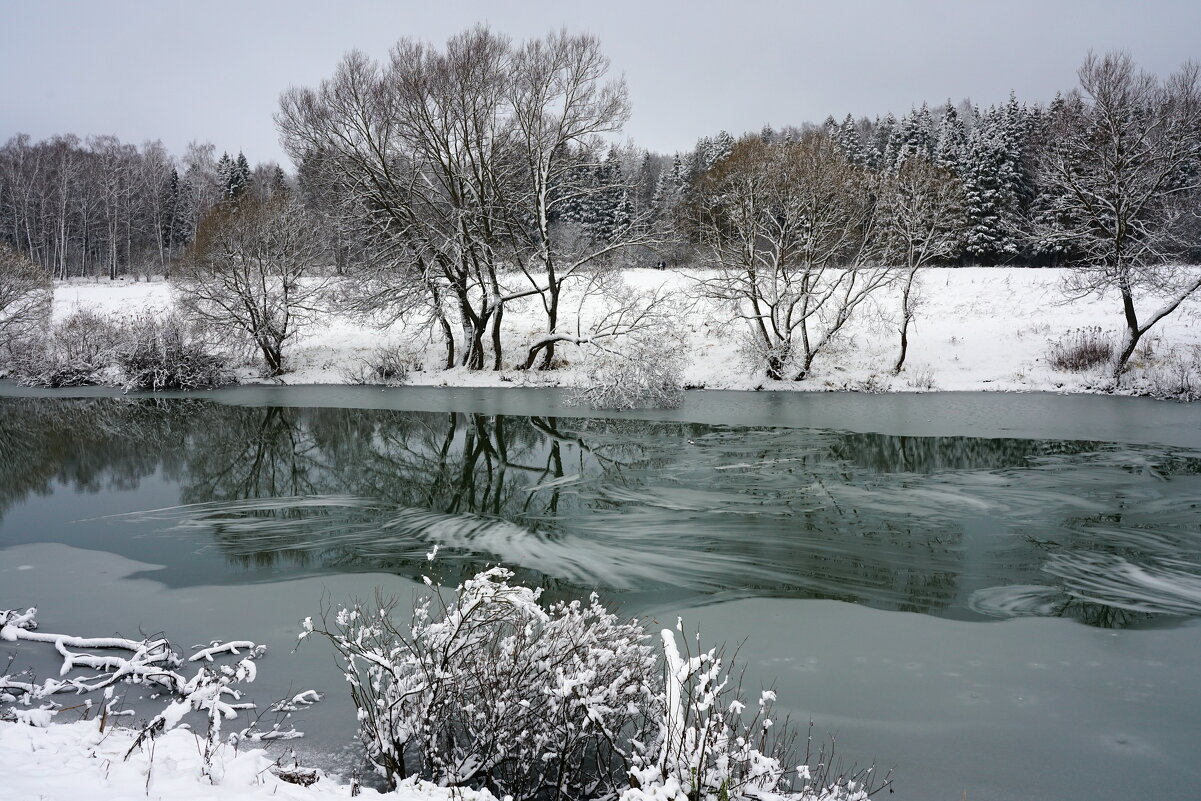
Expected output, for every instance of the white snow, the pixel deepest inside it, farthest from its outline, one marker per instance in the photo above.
(72, 761)
(977, 329)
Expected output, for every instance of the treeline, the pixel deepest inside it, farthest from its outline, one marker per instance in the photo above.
(103, 207)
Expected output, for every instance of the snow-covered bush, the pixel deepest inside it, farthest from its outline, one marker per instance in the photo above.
(490, 689)
(77, 352)
(148, 352)
(387, 365)
(1082, 349)
(646, 372)
(25, 295)
(711, 747)
(159, 353)
(708, 749)
(1171, 374)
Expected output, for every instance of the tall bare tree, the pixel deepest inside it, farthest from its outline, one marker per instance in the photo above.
(454, 165)
(1122, 178)
(561, 105)
(920, 221)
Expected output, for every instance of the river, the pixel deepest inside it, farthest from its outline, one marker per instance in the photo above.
(995, 594)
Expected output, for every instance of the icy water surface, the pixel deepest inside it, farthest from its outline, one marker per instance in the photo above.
(944, 581)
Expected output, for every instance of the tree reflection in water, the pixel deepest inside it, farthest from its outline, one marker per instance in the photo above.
(952, 526)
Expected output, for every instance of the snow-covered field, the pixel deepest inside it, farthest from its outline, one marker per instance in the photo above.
(977, 329)
(74, 761)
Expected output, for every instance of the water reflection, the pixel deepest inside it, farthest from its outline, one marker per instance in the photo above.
(952, 526)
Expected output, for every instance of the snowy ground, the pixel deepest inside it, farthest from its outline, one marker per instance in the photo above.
(978, 329)
(73, 761)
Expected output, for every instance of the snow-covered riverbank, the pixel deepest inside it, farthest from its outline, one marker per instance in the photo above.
(71, 761)
(976, 329)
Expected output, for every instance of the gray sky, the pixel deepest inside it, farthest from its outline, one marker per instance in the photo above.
(213, 70)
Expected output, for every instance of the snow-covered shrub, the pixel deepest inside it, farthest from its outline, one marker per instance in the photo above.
(754, 355)
(77, 352)
(1172, 374)
(921, 377)
(25, 295)
(387, 365)
(1082, 349)
(492, 690)
(708, 749)
(645, 372)
(711, 747)
(163, 352)
(148, 352)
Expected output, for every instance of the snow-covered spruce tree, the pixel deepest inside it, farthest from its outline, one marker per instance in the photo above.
(916, 137)
(996, 185)
(1121, 181)
(846, 136)
(950, 143)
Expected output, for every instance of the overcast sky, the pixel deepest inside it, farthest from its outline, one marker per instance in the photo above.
(213, 71)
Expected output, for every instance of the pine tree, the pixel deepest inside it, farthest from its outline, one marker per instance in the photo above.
(239, 178)
(997, 184)
(225, 175)
(668, 189)
(723, 143)
(950, 144)
(879, 156)
(915, 137)
(846, 136)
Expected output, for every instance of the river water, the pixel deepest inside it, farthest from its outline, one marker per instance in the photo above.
(998, 595)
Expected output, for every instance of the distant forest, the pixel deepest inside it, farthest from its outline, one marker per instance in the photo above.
(97, 206)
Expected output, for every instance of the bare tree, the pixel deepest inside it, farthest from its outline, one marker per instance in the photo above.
(920, 221)
(561, 104)
(452, 168)
(25, 294)
(786, 225)
(155, 168)
(251, 273)
(1121, 176)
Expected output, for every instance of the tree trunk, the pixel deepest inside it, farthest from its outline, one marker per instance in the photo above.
(1133, 332)
(904, 345)
(496, 349)
(273, 357)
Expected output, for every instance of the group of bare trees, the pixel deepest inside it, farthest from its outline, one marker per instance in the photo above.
(1121, 174)
(802, 231)
(453, 168)
(104, 207)
(801, 238)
